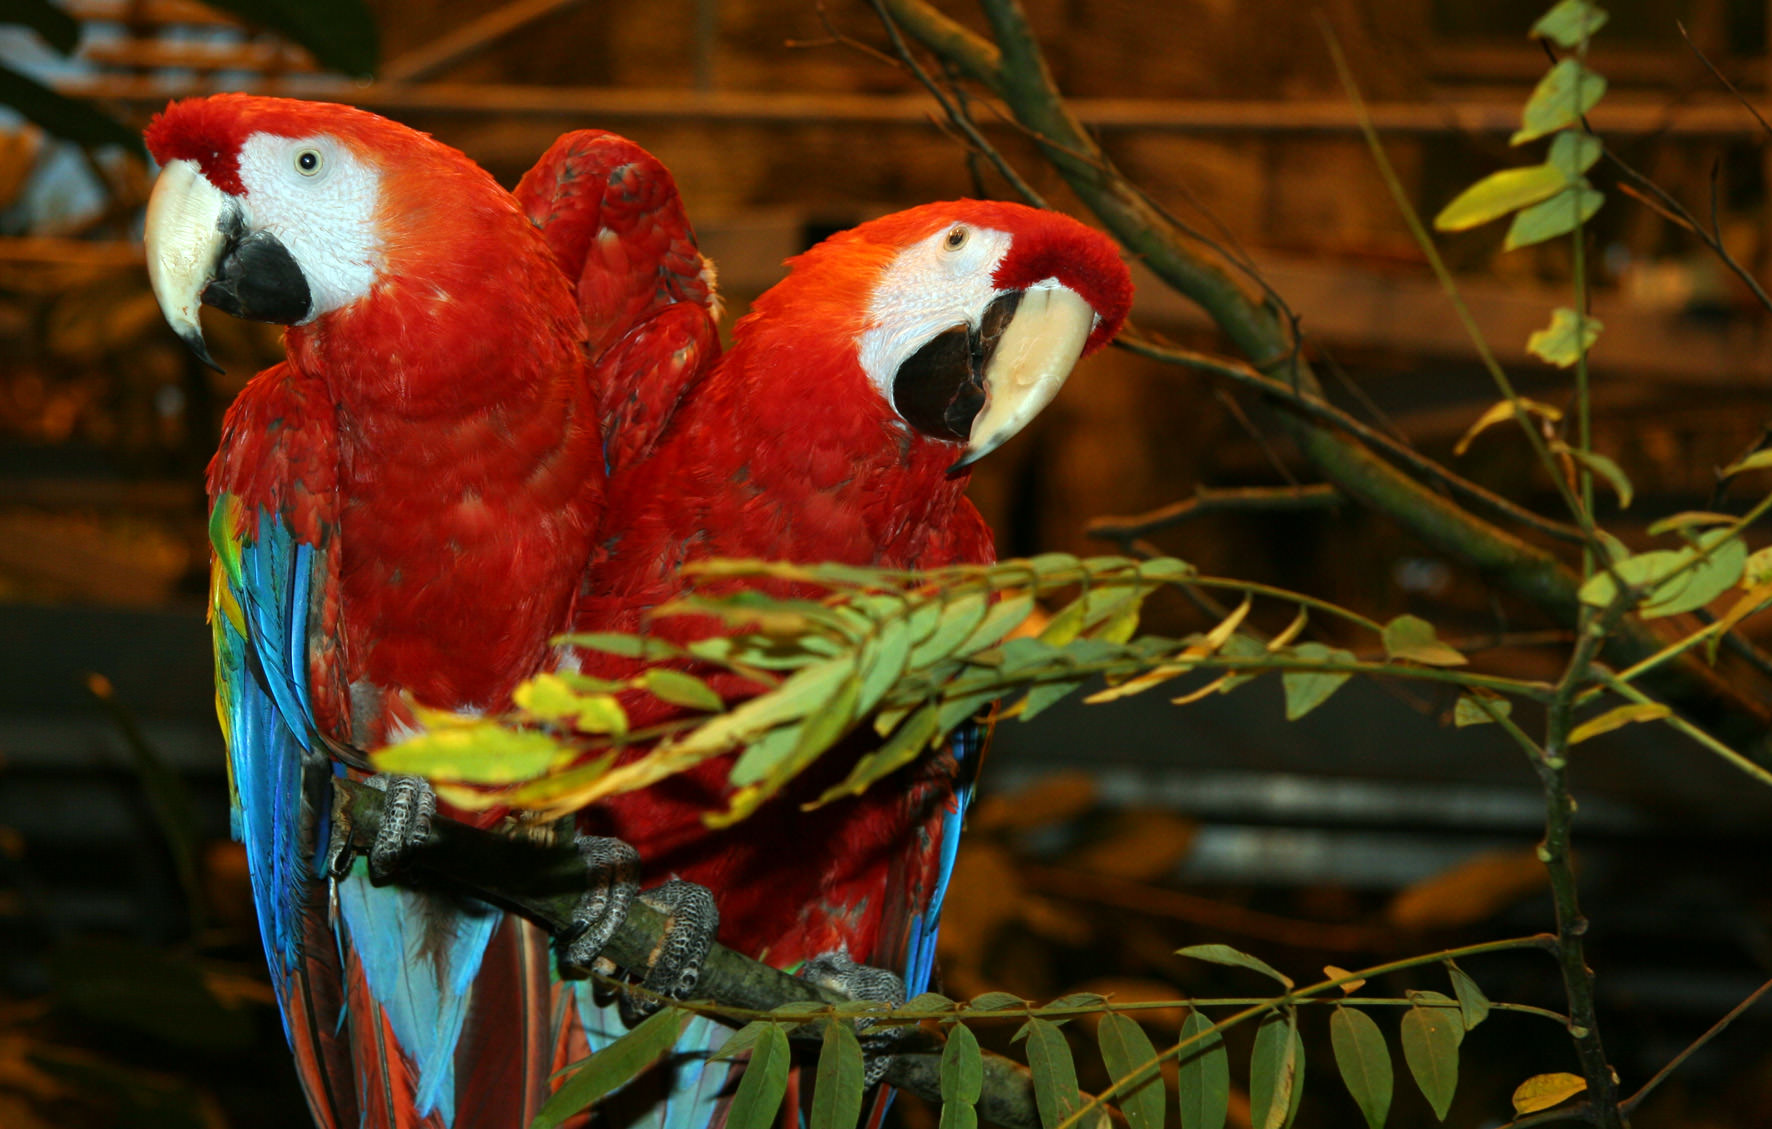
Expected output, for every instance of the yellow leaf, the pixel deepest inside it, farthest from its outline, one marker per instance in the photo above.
(1335, 972)
(1756, 461)
(1618, 719)
(1504, 410)
(1541, 1091)
(1498, 194)
(1557, 343)
(1752, 602)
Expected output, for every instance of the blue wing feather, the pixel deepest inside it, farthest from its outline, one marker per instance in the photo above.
(966, 745)
(420, 952)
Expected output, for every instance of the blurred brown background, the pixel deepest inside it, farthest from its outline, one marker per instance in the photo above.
(1108, 837)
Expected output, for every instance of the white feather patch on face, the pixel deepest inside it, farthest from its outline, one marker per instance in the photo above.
(324, 214)
(929, 288)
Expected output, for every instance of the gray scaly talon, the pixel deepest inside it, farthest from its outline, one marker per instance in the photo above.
(405, 824)
(839, 972)
(613, 868)
(674, 965)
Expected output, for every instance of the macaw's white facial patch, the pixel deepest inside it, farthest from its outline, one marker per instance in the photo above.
(319, 200)
(932, 286)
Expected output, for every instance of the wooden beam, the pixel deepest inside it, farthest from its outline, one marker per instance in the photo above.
(198, 56)
(470, 38)
(1709, 116)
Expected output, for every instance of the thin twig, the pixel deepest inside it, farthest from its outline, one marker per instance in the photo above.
(1325, 412)
(1629, 1105)
(1208, 500)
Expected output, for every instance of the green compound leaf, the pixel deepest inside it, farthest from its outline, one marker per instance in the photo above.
(1573, 153)
(1561, 97)
(615, 1065)
(836, 1099)
(764, 1083)
(1558, 344)
(1203, 1082)
(1413, 638)
(1224, 954)
(679, 689)
(1602, 466)
(1470, 711)
(1055, 1072)
(1569, 22)
(1473, 1005)
(1125, 1048)
(1308, 689)
(1673, 587)
(962, 1079)
(1500, 193)
(1430, 1047)
(1548, 219)
(1276, 1072)
(1364, 1062)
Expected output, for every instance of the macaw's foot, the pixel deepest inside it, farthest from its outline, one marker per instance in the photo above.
(406, 817)
(612, 872)
(674, 965)
(839, 972)
(405, 825)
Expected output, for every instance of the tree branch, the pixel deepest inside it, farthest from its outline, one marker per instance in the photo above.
(543, 883)
(1015, 70)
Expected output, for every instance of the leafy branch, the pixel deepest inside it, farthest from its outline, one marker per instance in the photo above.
(911, 655)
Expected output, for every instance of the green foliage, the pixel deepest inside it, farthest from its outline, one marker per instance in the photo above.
(1132, 1060)
(1559, 100)
(1431, 1035)
(836, 1098)
(962, 1079)
(1412, 638)
(1055, 1072)
(1364, 1062)
(1204, 1077)
(1276, 1071)
(1560, 343)
(1554, 198)
(1670, 581)
(911, 656)
(764, 1083)
(1224, 954)
(612, 1067)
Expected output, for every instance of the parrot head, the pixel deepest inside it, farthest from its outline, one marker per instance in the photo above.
(287, 211)
(966, 316)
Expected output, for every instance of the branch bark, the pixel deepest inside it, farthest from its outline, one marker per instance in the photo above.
(543, 883)
(1015, 70)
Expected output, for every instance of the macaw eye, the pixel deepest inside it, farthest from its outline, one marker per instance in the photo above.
(308, 162)
(956, 238)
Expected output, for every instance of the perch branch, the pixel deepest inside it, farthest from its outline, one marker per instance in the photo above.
(543, 883)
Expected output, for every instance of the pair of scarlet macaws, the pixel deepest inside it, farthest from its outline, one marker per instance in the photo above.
(503, 416)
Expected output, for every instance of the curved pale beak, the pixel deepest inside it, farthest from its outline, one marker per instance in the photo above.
(186, 234)
(1028, 365)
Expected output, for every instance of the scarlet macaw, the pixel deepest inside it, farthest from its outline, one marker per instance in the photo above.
(401, 511)
(837, 428)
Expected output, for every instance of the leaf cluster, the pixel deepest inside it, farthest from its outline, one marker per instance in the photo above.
(906, 656)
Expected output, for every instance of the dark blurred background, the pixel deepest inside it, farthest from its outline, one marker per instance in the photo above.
(129, 986)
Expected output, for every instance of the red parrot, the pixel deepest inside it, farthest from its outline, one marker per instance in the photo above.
(837, 428)
(402, 511)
